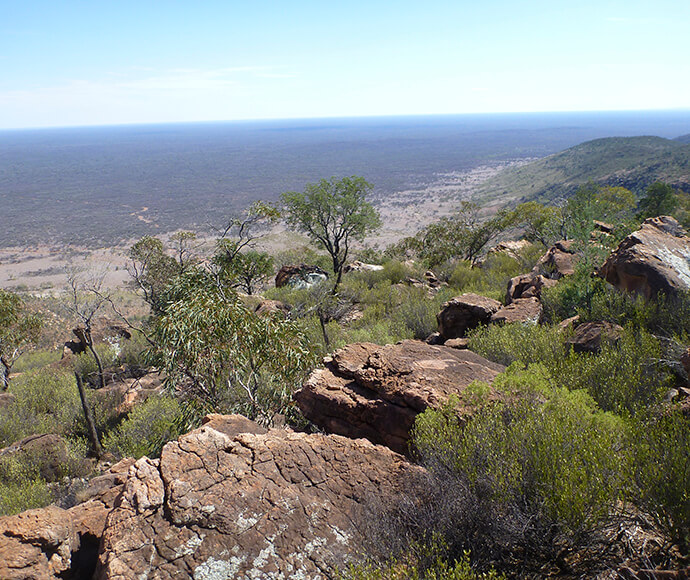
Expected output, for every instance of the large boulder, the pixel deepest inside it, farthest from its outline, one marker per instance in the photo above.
(300, 276)
(527, 286)
(523, 310)
(655, 259)
(229, 504)
(558, 261)
(358, 266)
(372, 391)
(48, 453)
(590, 336)
(465, 312)
(52, 542)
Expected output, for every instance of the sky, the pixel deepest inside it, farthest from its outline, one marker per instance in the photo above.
(98, 62)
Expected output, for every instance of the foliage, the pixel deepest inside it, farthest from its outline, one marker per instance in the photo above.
(146, 429)
(86, 366)
(44, 402)
(463, 236)
(407, 568)
(540, 464)
(624, 377)
(225, 357)
(23, 493)
(661, 460)
(333, 213)
(152, 269)
(18, 329)
(245, 270)
(659, 199)
(36, 359)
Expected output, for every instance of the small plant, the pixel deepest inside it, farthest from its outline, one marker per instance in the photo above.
(146, 429)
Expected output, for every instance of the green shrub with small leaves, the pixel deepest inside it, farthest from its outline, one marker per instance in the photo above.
(547, 457)
(660, 444)
(147, 428)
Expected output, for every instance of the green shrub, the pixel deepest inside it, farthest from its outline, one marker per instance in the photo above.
(623, 378)
(408, 569)
(544, 468)
(18, 496)
(661, 460)
(132, 352)
(527, 344)
(44, 402)
(35, 360)
(85, 364)
(148, 427)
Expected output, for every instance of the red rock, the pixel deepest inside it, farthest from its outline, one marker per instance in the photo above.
(300, 276)
(558, 261)
(589, 336)
(527, 286)
(524, 310)
(654, 259)
(248, 505)
(463, 313)
(376, 392)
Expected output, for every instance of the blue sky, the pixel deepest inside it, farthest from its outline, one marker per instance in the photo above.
(104, 62)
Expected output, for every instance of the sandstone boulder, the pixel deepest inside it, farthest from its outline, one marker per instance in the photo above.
(48, 452)
(300, 276)
(527, 286)
(524, 310)
(247, 505)
(654, 259)
(372, 391)
(52, 542)
(590, 336)
(558, 261)
(465, 312)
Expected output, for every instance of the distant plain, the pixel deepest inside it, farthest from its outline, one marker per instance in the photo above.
(67, 191)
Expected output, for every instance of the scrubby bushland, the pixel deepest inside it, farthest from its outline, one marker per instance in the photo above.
(624, 377)
(660, 444)
(147, 428)
(522, 482)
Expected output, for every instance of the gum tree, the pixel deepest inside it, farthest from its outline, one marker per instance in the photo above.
(18, 330)
(333, 213)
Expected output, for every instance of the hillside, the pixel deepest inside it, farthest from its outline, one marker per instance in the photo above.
(631, 162)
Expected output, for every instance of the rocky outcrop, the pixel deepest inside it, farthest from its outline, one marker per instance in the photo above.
(465, 312)
(590, 336)
(655, 259)
(685, 361)
(300, 276)
(523, 310)
(527, 286)
(57, 543)
(558, 261)
(229, 504)
(372, 391)
(102, 330)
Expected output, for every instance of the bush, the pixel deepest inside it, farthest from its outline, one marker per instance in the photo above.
(35, 360)
(147, 428)
(539, 471)
(623, 378)
(85, 364)
(661, 460)
(44, 402)
(26, 494)
(524, 343)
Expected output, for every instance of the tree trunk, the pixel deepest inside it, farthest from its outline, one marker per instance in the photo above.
(322, 320)
(4, 375)
(88, 416)
(99, 366)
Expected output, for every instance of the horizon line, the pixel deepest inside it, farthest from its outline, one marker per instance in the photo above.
(336, 118)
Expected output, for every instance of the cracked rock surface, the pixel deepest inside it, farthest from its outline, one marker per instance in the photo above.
(372, 391)
(223, 503)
